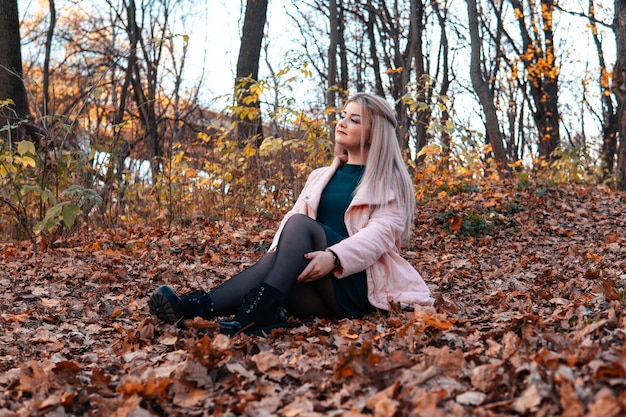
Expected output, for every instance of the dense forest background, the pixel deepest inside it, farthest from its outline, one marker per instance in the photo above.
(101, 119)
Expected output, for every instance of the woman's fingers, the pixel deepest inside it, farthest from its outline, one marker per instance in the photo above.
(321, 263)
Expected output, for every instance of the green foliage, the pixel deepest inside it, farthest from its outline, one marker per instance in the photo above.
(464, 187)
(466, 155)
(17, 165)
(12, 162)
(523, 181)
(573, 165)
(478, 220)
(64, 212)
(468, 223)
(24, 197)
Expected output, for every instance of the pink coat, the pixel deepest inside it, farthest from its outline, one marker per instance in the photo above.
(373, 244)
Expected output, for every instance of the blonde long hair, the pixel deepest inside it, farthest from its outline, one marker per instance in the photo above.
(385, 168)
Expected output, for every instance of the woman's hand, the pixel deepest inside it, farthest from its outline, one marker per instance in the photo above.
(321, 264)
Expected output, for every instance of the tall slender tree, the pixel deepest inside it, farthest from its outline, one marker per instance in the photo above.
(46, 62)
(11, 82)
(535, 22)
(441, 14)
(331, 89)
(248, 70)
(619, 88)
(482, 91)
(609, 117)
(403, 55)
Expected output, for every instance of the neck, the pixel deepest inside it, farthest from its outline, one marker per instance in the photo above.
(358, 159)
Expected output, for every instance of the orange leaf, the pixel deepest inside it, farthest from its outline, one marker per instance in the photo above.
(455, 224)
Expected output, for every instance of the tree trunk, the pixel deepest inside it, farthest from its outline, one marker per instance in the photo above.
(343, 54)
(248, 70)
(619, 89)
(539, 60)
(47, 109)
(121, 149)
(484, 94)
(445, 78)
(370, 22)
(609, 117)
(11, 83)
(331, 88)
(423, 117)
(400, 62)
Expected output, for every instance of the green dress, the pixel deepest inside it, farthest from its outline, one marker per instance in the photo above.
(351, 291)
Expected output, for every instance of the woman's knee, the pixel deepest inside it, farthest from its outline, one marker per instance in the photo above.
(299, 220)
(302, 223)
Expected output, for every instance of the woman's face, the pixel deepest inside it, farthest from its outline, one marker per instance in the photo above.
(349, 128)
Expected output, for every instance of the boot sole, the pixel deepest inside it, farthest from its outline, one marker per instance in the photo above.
(161, 307)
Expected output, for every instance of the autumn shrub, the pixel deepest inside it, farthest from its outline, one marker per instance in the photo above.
(247, 180)
(461, 187)
(17, 163)
(27, 202)
(569, 164)
(221, 175)
(466, 194)
(40, 195)
(478, 220)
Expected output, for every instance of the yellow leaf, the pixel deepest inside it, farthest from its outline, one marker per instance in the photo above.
(430, 149)
(26, 146)
(250, 151)
(178, 157)
(7, 102)
(27, 161)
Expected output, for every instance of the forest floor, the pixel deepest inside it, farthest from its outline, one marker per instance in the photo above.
(530, 319)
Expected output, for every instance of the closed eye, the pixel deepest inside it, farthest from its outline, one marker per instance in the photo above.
(354, 119)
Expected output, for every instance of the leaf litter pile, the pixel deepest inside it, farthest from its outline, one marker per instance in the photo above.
(529, 320)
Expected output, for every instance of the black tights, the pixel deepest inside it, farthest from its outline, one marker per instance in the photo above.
(280, 269)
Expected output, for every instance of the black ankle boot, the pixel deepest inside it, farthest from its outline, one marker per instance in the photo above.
(169, 307)
(261, 311)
